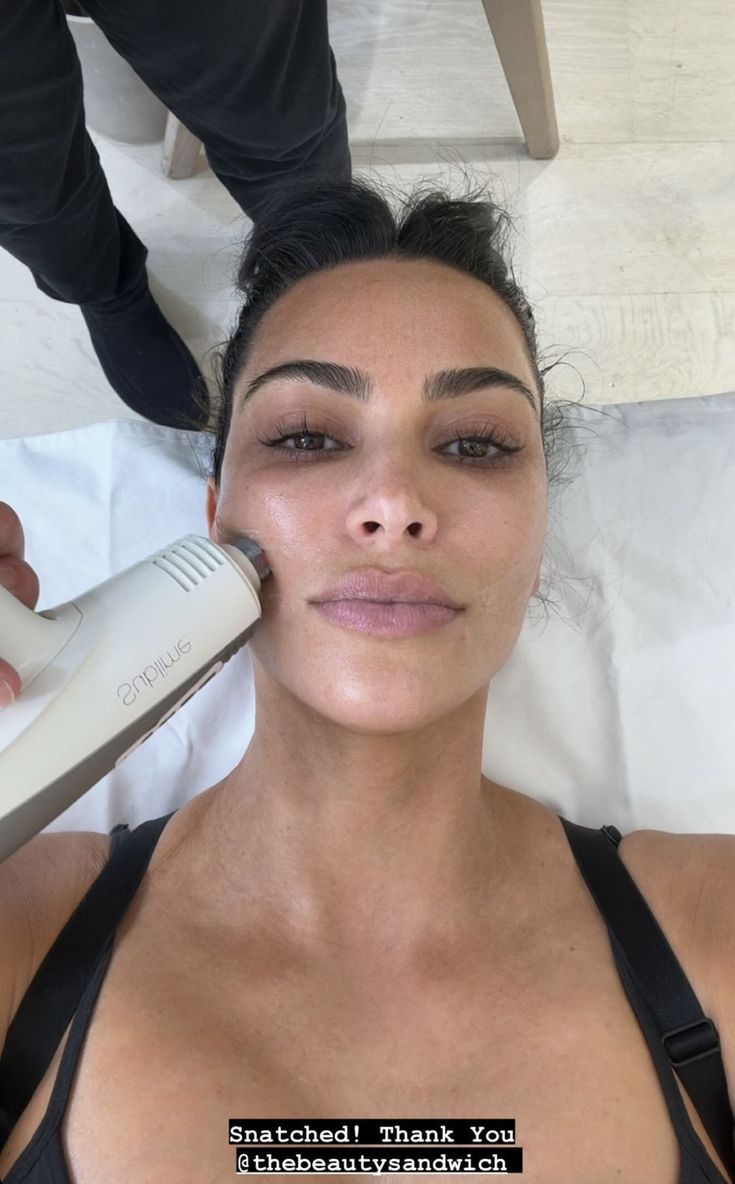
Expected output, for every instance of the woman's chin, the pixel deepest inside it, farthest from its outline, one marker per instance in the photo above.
(372, 710)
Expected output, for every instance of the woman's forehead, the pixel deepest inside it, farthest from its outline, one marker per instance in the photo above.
(378, 309)
(388, 278)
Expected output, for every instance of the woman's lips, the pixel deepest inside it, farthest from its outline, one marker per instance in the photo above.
(386, 620)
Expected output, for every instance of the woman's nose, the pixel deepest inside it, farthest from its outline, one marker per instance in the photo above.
(395, 515)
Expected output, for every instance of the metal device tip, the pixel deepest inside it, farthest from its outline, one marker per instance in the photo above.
(255, 554)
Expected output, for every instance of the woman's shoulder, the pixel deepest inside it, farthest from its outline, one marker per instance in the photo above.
(693, 873)
(41, 885)
(689, 879)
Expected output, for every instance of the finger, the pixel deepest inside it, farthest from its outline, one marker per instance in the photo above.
(9, 683)
(12, 539)
(19, 578)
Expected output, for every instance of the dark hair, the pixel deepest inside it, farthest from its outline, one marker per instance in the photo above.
(315, 225)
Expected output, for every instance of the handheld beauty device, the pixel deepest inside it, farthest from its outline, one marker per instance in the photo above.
(102, 672)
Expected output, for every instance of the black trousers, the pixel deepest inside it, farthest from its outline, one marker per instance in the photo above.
(255, 80)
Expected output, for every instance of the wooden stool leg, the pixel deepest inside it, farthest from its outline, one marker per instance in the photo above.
(518, 29)
(180, 150)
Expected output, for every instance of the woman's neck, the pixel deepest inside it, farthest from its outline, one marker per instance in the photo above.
(364, 841)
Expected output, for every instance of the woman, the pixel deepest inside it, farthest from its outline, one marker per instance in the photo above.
(356, 922)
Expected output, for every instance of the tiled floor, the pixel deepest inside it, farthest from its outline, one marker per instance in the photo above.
(624, 240)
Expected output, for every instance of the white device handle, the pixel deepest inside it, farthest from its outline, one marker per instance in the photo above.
(107, 669)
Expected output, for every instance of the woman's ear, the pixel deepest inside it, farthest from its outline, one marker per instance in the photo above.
(211, 509)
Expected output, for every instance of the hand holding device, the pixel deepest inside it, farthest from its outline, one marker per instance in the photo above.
(99, 674)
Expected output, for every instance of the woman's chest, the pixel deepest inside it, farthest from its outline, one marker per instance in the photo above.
(169, 1059)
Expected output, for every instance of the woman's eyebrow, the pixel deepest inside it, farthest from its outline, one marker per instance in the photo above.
(444, 384)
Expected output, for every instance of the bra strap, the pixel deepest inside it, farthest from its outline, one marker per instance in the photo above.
(689, 1038)
(57, 986)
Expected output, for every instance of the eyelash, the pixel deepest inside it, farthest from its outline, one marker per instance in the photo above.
(288, 432)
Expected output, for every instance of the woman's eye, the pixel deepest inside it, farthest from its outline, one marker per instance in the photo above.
(485, 447)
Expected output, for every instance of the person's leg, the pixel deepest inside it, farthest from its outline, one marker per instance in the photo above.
(255, 80)
(57, 217)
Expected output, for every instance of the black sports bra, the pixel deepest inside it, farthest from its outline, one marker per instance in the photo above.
(67, 983)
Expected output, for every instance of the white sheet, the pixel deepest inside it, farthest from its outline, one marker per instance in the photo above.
(618, 709)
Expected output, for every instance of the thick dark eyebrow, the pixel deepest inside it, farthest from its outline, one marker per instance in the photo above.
(444, 384)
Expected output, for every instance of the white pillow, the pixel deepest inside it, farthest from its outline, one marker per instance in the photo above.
(617, 707)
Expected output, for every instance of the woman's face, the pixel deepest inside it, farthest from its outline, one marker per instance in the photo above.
(393, 482)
